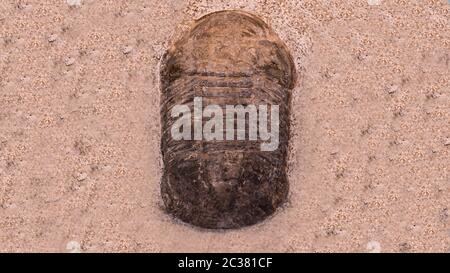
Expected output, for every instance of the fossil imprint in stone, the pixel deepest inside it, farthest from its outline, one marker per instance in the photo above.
(227, 58)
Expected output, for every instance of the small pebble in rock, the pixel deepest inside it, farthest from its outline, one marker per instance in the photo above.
(52, 38)
(392, 89)
(447, 142)
(81, 176)
(69, 61)
(127, 50)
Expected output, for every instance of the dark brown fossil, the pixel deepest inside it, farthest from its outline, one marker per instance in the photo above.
(227, 58)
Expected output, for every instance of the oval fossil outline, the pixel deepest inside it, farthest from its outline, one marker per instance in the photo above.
(226, 57)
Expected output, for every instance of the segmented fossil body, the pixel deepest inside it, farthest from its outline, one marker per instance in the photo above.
(227, 58)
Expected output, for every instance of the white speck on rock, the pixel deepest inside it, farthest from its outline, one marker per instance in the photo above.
(374, 2)
(373, 247)
(73, 3)
(73, 247)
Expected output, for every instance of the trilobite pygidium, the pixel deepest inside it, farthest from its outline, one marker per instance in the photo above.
(227, 58)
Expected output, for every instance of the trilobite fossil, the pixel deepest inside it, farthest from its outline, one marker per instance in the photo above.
(227, 58)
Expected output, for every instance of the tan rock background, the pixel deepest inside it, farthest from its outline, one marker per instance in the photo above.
(79, 127)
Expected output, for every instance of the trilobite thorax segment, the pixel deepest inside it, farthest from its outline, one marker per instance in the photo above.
(227, 58)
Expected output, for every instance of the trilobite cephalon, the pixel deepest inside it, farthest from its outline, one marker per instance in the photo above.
(227, 58)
